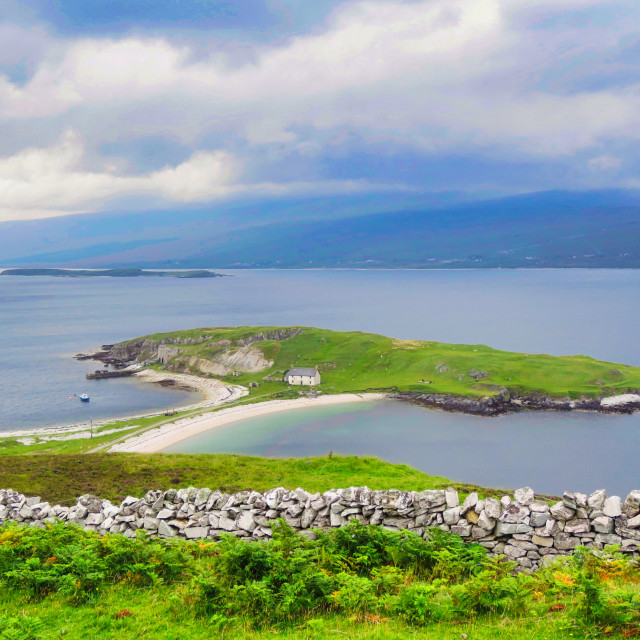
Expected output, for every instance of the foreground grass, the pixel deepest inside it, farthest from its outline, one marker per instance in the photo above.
(357, 582)
(62, 478)
(357, 362)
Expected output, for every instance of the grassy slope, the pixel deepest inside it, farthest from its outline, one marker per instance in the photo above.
(355, 361)
(62, 478)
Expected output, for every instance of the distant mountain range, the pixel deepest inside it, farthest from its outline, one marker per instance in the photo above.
(548, 229)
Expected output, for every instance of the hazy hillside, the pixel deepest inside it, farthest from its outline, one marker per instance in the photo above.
(550, 229)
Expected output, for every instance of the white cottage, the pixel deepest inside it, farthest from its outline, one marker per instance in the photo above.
(303, 376)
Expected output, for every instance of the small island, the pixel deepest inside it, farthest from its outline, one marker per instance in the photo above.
(112, 273)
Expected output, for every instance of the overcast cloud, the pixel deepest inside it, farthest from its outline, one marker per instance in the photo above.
(551, 84)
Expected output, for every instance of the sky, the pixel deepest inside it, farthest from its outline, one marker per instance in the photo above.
(144, 104)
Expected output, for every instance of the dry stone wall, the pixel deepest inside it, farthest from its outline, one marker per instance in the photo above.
(520, 527)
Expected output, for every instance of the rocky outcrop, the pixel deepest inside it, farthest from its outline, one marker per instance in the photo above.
(229, 359)
(504, 402)
(276, 334)
(520, 527)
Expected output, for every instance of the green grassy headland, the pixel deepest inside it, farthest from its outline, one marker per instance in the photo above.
(351, 361)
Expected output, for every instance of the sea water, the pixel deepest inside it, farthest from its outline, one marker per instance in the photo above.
(549, 451)
(45, 320)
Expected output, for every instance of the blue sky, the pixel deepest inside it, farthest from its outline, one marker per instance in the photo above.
(196, 102)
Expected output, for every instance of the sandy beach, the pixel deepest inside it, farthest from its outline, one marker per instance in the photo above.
(214, 391)
(156, 440)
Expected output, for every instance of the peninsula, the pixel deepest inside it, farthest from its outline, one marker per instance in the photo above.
(473, 379)
(112, 273)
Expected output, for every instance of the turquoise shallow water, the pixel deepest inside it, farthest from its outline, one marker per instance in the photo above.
(43, 321)
(551, 452)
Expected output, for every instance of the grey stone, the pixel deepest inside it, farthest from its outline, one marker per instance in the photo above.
(201, 497)
(633, 523)
(493, 508)
(95, 519)
(564, 541)
(577, 526)
(569, 500)
(25, 511)
(608, 538)
(485, 521)
(524, 544)
(524, 496)
(451, 516)
(226, 523)
(506, 528)
(612, 507)
(193, 533)
(515, 513)
(513, 552)
(430, 499)
(165, 530)
(462, 530)
(631, 505)
(539, 518)
(311, 535)
(246, 521)
(596, 499)
(308, 517)
(603, 524)
(451, 497)
(541, 541)
(469, 503)
(538, 506)
(632, 534)
(560, 511)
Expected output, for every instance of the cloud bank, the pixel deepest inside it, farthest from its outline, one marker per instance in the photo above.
(553, 84)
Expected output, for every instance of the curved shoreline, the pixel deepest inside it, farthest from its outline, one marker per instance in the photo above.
(156, 440)
(213, 393)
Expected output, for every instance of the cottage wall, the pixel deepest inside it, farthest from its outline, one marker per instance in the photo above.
(520, 527)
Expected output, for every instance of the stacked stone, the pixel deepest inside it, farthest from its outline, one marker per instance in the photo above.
(522, 528)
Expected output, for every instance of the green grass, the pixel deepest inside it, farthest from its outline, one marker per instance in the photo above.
(62, 478)
(356, 582)
(358, 362)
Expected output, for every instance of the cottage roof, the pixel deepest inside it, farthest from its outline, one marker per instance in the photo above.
(302, 371)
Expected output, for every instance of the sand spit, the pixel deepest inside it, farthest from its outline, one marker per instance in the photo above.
(158, 439)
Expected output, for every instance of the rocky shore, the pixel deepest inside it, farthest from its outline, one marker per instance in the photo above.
(503, 402)
(520, 527)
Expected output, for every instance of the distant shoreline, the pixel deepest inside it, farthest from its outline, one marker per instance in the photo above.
(112, 273)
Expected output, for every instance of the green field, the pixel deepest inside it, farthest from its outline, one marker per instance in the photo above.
(355, 582)
(63, 477)
(358, 362)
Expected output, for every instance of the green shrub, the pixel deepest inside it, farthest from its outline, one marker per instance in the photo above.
(354, 594)
(417, 604)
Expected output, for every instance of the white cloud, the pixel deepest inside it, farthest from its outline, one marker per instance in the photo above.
(39, 183)
(49, 182)
(604, 163)
(452, 65)
(438, 74)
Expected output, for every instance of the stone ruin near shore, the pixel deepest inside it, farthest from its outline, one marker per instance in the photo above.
(520, 527)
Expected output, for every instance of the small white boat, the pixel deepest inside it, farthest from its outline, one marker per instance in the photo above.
(84, 397)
